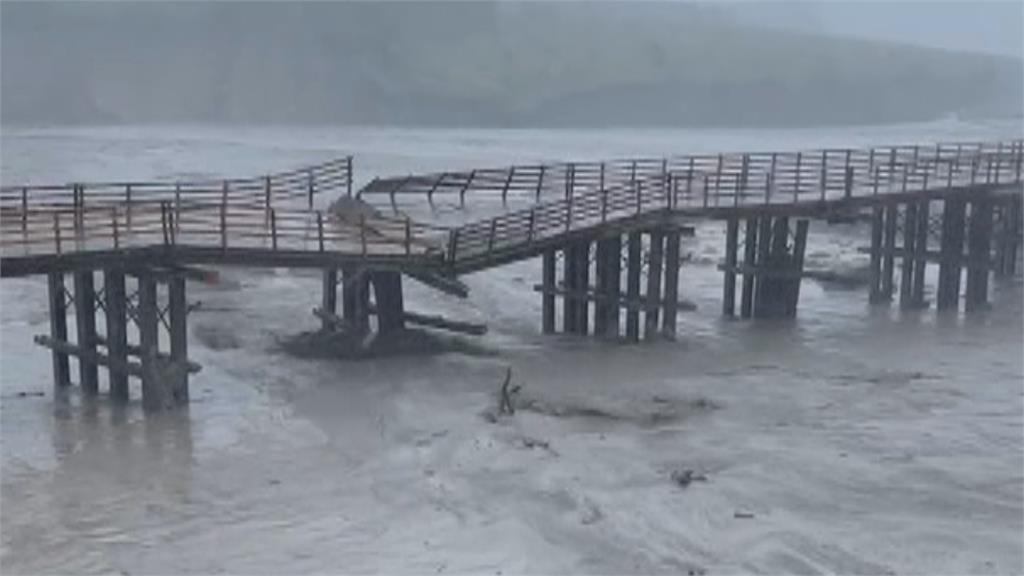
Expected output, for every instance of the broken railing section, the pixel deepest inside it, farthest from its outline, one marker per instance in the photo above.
(714, 180)
(164, 376)
(592, 287)
(368, 292)
(978, 233)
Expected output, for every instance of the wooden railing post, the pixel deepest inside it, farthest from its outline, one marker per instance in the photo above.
(408, 235)
(604, 205)
(273, 229)
(163, 221)
(24, 211)
(490, 237)
(999, 160)
(799, 170)
(533, 220)
(312, 189)
(113, 222)
(718, 180)
(824, 174)
(128, 206)
(224, 225)
(56, 231)
(689, 179)
(266, 193)
(568, 212)
(320, 230)
(508, 182)
(638, 186)
(348, 176)
(707, 190)
(540, 182)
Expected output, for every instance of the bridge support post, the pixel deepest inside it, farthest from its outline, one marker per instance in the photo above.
(732, 228)
(58, 329)
(177, 310)
(583, 287)
(602, 303)
(979, 248)
(633, 287)
(668, 323)
(1009, 237)
(329, 302)
(387, 286)
(764, 246)
(85, 324)
(153, 389)
(921, 256)
(114, 296)
(875, 269)
(548, 295)
(953, 212)
(569, 278)
(889, 252)
(355, 297)
(749, 262)
(797, 265)
(613, 286)
(653, 300)
(909, 254)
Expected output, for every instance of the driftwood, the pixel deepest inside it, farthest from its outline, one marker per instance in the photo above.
(414, 318)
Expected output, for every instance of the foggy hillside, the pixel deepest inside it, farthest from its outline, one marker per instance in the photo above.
(463, 64)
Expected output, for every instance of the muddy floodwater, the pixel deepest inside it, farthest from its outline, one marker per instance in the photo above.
(854, 439)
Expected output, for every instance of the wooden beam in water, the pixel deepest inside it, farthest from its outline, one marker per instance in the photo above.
(177, 307)
(153, 386)
(633, 286)
(979, 254)
(414, 318)
(909, 254)
(764, 246)
(654, 265)
(749, 260)
(671, 299)
(85, 323)
(390, 306)
(614, 286)
(732, 228)
(953, 214)
(921, 250)
(329, 297)
(548, 298)
(570, 277)
(115, 365)
(888, 254)
(602, 280)
(58, 328)
(797, 265)
(583, 281)
(117, 329)
(875, 269)
(624, 301)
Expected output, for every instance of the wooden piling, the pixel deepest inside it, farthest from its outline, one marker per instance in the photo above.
(570, 276)
(875, 269)
(732, 230)
(797, 264)
(614, 286)
(601, 281)
(329, 297)
(633, 286)
(548, 297)
(889, 251)
(764, 246)
(153, 397)
(583, 286)
(85, 323)
(387, 287)
(979, 251)
(668, 323)
(921, 251)
(654, 266)
(749, 261)
(117, 330)
(177, 308)
(58, 328)
(951, 257)
(909, 252)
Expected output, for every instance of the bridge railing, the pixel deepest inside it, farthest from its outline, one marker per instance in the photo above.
(284, 189)
(169, 224)
(700, 183)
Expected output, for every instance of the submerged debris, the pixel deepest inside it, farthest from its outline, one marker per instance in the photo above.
(351, 345)
(685, 477)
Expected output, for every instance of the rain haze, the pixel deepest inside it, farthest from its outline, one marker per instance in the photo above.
(511, 287)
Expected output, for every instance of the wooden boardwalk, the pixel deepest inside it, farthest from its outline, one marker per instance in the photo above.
(615, 226)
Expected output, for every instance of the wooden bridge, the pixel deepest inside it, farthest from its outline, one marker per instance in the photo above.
(579, 212)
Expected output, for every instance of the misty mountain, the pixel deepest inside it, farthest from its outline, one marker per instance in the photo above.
(462, 64)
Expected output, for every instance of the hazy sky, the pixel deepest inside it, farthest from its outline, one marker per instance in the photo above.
(990, 26)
